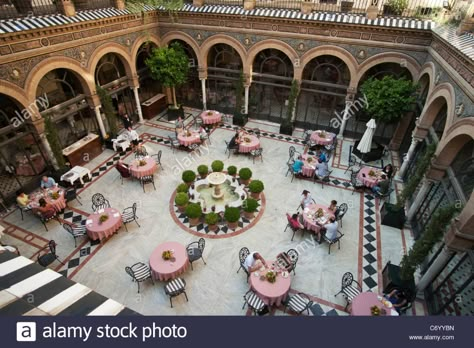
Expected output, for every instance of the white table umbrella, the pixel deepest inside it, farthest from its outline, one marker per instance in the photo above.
(365, 144)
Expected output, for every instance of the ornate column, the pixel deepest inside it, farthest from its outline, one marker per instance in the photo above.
(203, 77)
(425, 187)
(439, 263)
(99, 121)
(137, 101)
(247, 83)
(346, 114)
(411, 151)
(49, 152)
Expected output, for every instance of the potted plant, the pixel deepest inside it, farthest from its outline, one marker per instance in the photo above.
(193, 212)
(239, 119)
(170, 66)
(245, 174)
(232, 170)
(256, 187)
(346, 5)
(188, 177)
(203, 170)
(109, 112)
(250, 206)
(232, 216)
(286, 126)
(217, 166)
(395, 7)
(181, 200)
(53, 139)
(211, 221)
(182, 188)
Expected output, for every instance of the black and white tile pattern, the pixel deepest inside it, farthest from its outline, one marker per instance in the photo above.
(369, 248)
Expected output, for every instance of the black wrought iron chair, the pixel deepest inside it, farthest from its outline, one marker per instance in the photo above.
(124, 172)
(333, 241)
(299, 303)
(71, 194)
(353, 165)
(139, 273)
(148, 179)
(293, 255)
(23, 210)
(325, 179)
(291, 171)
(356, 184)
(384, 196)
(195, 251)
(47, 216)
(174, 143)
(99, 202)
(129, 215)
(175, 288)
(350, 288)
(243, 253)
(257, 153)
(256, 132)
(342, 210)
(253, 302)
(47, 255)
(76, 231)
(291, 151)
(307, 136)
(294, 229)
(157, 158)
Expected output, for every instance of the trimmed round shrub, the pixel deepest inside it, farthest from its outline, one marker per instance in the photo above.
(217, 166)
(232, 170)
(193, 211)
(203, 169)
(250, 205)
(182, 188)
(212, 218)
(245, 173)
(188, 176)
(181, 198)
(256, 186)
(232, 214)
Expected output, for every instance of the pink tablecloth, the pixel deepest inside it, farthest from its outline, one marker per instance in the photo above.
(308, 217)
(317, 139)
(361, 304)
(96, 230)
(215, 117)
(166, 269)
(270, 293)
(254, 144)
(139, 171)
(369, 181)
(58, 204)
(309, 167)
(185, 140)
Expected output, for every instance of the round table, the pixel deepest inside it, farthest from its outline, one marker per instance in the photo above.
(308, 217)
(317, 139)
(97, 230)
(309, 167)
(369, 181)
(270, 293)
(166, 269)
(138, 171)
(58, 204)
(186, 140)
(253, 144)
(361, 304)
(211, 117)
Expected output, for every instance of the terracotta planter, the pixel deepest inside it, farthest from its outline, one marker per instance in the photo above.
(255, 195)
(245, 182)
(232, 225)
(203, 176)
(194, 222)
(181, 208)
(248, 215)
(189, 183)
(212, 228)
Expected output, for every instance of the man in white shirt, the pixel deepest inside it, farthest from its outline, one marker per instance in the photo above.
(254, 261)
(331, 230)
(321, 169)
(133, 136)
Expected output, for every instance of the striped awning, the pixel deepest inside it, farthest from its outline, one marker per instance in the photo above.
(38, 22)
(463, 43)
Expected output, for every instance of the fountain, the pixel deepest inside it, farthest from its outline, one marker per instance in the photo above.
(217, 179)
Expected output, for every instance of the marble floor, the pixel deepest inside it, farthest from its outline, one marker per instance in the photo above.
(216, 288)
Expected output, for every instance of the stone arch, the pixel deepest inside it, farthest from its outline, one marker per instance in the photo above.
(139, 42)
(14, 92)
(443, 93)
(222, 39)
(178, 35)
(390, 57)
(275, 44)
(112, 47)
(335, 51)
(430, 70)
(453, 140)
(53, 63)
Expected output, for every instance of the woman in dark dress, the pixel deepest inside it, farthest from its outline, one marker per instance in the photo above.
(127, 122)
(388, 169)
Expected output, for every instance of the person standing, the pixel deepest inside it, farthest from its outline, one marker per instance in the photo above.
(127, 122)
(133, 137)
(307, 200)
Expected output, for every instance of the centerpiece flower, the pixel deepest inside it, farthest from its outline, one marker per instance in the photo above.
(319, 213)
(209, 113)
(322, 134)
(55, 195)
(167, 255)
(375, 311)
(247, 139)
(271, 276)
(142, 163)
(371, 173)
(103, 218)
(310, 159)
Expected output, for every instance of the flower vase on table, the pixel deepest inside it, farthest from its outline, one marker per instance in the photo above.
(142, 163)
(271, 276)
(103, 218)
(167, 255)
(371, 173)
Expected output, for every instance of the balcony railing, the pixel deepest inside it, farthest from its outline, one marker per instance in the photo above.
(24, 8)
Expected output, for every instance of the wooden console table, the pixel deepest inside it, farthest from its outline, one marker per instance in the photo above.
(153, 106)
(84, 150)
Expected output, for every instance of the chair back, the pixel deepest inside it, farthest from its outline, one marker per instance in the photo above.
(68, 228)
(243, 253)
(347, 280)
(70, 194)
(130, 272)
(293, 255)
(201, 244)
(98, 199)
(352, 160)
(158, 156)
(124, 173)
(291, 151)
(52, 247)
(342, 210)
(47, 215)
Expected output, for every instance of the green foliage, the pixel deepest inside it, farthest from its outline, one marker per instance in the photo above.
(217, 166)
(193, 211)
(397, 6)
(182, 188)
(231, 170)
(245, 173)
(256, 186)
(181, 198)
(250, 205)
(212, 218)
(109, 110)
(413, 182)
(239, 94)
(388, 98)
(294, 90)
(53, 140)
(232, 214)
(203, 169)
(136, 6)
(434, 231)
(188, 176)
